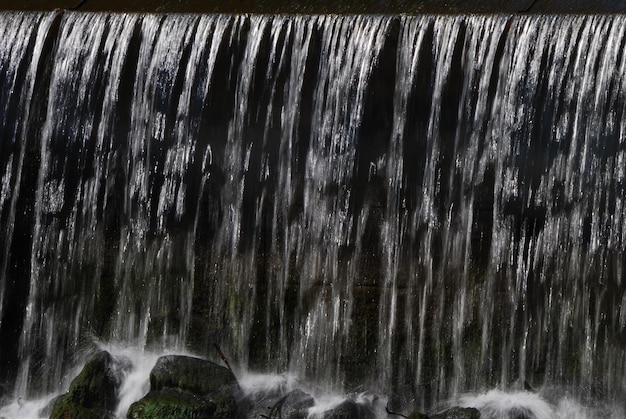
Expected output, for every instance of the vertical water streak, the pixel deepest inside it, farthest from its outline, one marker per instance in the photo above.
(154, 269)
(19, 67)
(66, 249)
(553, 195)
(234, 254)
(349, 48)
(480, 62)
(287, 228)
(394, 227)
(191, 142)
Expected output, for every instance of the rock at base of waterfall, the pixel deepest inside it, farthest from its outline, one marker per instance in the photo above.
(417, 415)
(182, 386)
(349, 410)
(172, 403)
(195, 375)
(93, 393)
(292, 405)
(458, 413)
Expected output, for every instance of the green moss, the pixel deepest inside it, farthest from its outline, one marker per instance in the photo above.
(96, 385)
(65, 408)
(225, 405)
(458, 413)
(172, 404)
(196, 375)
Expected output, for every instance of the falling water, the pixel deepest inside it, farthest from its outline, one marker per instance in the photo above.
(425, 206)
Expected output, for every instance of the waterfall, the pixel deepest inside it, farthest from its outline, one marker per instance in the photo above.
(425, 205)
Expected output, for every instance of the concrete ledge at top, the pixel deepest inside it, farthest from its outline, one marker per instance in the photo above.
(327, 6)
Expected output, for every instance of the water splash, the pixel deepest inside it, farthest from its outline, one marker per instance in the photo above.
(497, 404)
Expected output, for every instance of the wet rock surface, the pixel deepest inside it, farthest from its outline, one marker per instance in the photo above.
(349, 410)
(191, 374)
(292, 405)
(93, 393)
(172, 403)
(188, 387)
(458, 413)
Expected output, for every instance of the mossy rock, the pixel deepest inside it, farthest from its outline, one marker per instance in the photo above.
(97, 384)
(295, 405)
(187, 387)
(93, 393)
(417, 415)
(458, 413)
(65, 408)
(349, 410)
(195, 375)
(171, 403)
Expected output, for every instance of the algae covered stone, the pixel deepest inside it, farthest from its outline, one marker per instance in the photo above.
(458, 413)
(94, 392)
(192, 374)
(171, 403)
(187, 387)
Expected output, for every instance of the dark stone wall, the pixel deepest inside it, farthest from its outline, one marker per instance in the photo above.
(325, 6)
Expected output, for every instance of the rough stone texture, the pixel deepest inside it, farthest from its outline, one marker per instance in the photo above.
(295, 405)
(417, 415)
(349, 410)
(171, 404)
(93, 393)
(191, 374)
(97, 384)
(458, 413)
(259, 405)
(3, 395)
(187, 387)
(319, 6)
(65, 408)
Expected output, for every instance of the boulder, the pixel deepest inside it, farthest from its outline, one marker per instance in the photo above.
(4, 393)
(259, 405)
(417, 415)
(295, 405)
(187, 387)
(458, 413)
(349, 410)
(65, 408)
(195, 375)
(93, 393)
(171, 403)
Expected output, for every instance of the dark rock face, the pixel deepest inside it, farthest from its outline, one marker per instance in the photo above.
(3, 394)
(172, 403)
(192, 374)
(349, 410)
(187, 387)
(458, 413)
(93, 393)
(293, 405)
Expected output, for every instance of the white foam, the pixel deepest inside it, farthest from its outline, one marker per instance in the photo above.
(324, 404)
(497, 404)
(29, 409)
(136, 383)
(255, 383)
